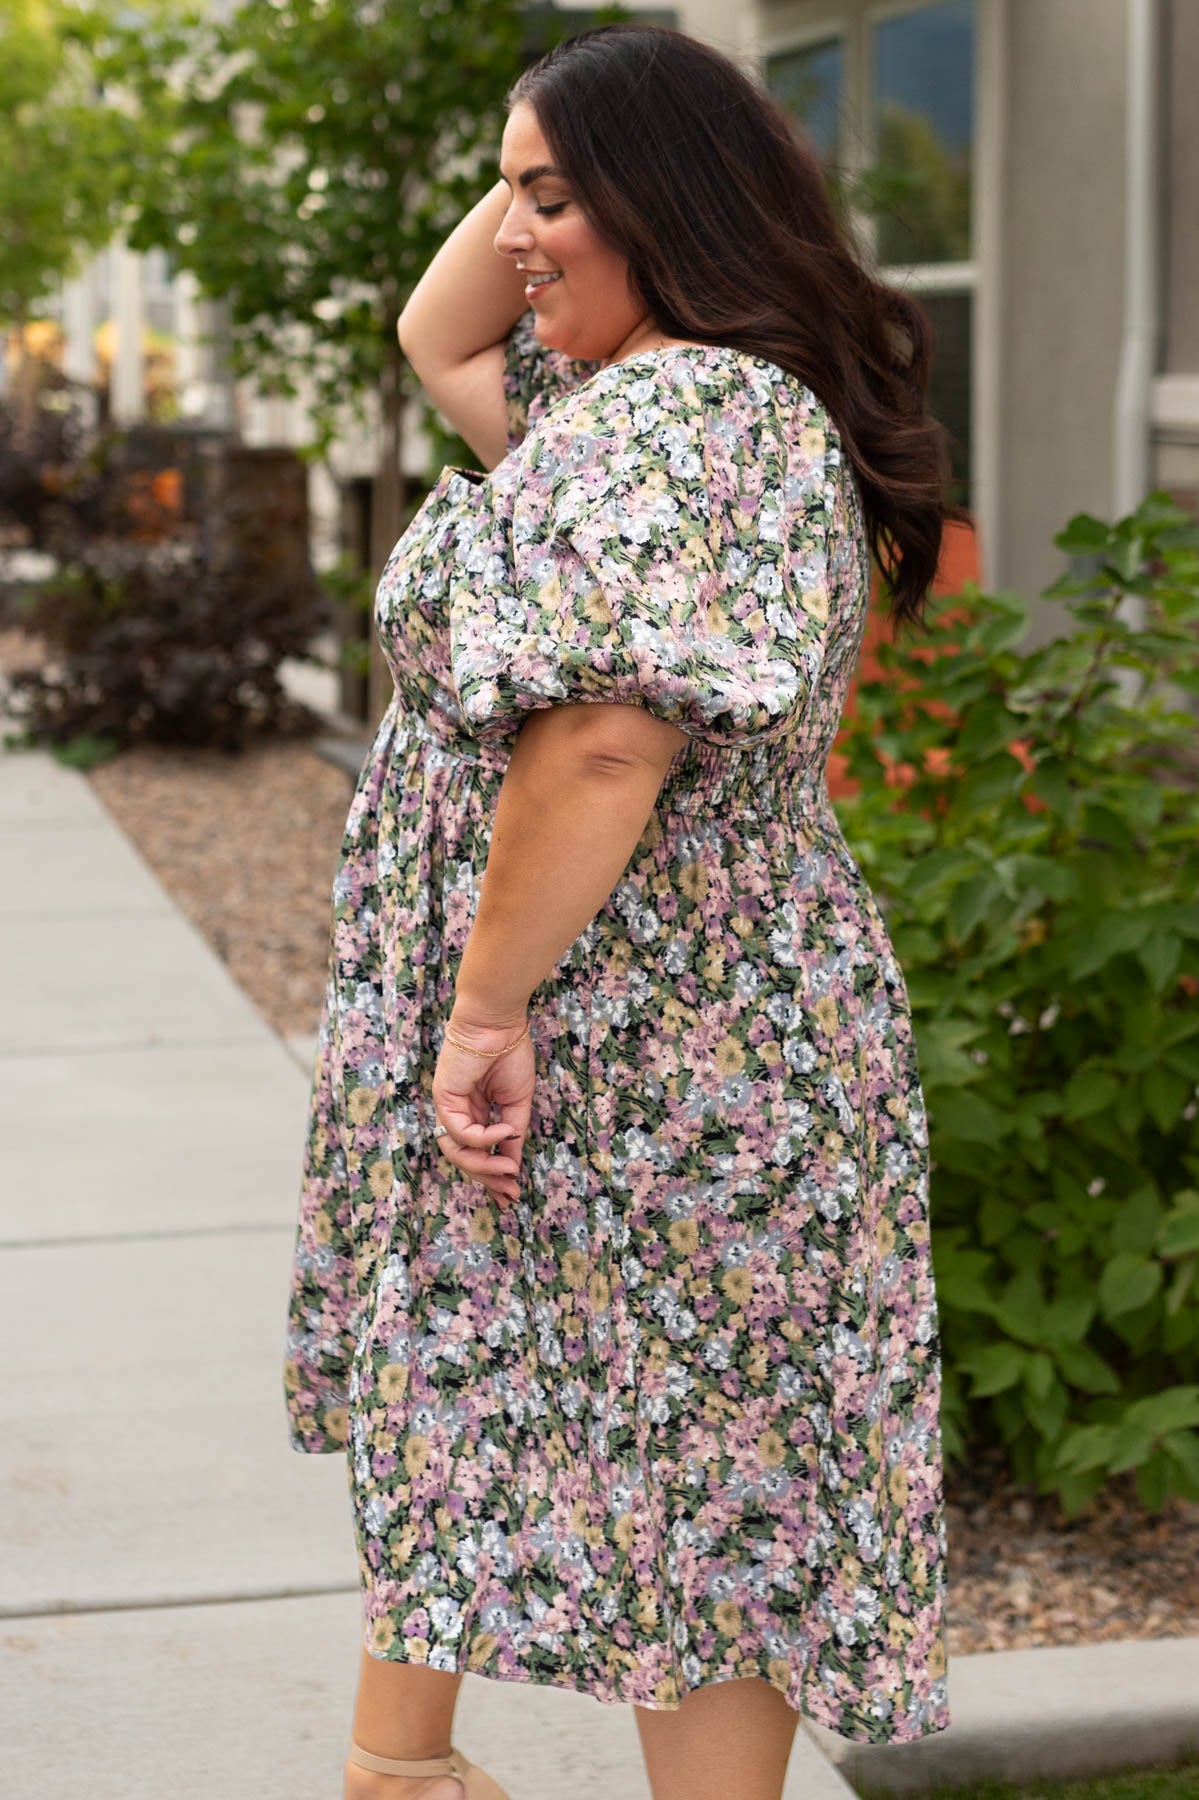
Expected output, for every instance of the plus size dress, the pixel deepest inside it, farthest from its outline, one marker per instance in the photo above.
(672, 1417)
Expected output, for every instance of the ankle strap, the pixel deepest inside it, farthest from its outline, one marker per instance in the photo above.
(453, 1764)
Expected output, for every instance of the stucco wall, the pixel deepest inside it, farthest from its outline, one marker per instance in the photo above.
(1062, 279)
(1182, 193)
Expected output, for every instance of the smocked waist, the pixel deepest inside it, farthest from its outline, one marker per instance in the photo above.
(703, 778)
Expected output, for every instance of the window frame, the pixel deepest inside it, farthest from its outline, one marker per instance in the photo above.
(803, 24)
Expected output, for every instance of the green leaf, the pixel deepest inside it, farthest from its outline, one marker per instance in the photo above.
(1128, 1281)
(1048, 1414)
(1165, 1096)
(1038, 1374)
(1178, 1232)
(994, 1367)
(1136, 1223)
(1114, 933)
(1083, 536)
(1183, 1448)
(1084, 1368)
(1088, 1091)
(1152, 1482)
(1086, 1447)
(963, 1114)
(1131, 1445)
(1160, 957)
(1177, 1409)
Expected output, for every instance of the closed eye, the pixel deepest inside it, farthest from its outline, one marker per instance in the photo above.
(552, 209)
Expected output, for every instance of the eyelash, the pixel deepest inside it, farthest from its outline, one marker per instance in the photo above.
(552, 209)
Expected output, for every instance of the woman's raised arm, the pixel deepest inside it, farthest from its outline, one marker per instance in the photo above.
(455, 324)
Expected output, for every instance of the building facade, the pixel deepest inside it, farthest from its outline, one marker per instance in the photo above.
(1032, 168)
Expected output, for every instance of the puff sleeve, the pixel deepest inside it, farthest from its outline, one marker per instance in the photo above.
(534, 377)
(660, 557)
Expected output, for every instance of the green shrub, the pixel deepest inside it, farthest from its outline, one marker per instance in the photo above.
(1029, 822)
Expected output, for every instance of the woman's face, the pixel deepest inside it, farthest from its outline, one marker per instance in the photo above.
(588, 312)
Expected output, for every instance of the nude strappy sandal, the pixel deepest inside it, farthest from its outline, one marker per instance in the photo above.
(478, 1784)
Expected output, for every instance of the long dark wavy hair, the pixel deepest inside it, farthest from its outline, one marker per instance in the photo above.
(707, 185)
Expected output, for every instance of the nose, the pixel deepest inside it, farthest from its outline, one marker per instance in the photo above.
(512, 239)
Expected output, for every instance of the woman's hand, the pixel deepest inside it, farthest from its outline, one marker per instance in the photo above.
(466, 1087)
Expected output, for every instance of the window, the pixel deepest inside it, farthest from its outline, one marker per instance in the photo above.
(811, 81)
(885, 90)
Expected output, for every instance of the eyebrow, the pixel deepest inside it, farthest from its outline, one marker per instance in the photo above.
(528, 176)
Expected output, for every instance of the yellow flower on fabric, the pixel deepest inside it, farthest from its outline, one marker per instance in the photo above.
(684, 1236)
(383, 1632)
(897, 1485)
(418, 1649)
(482, 1225)
(481, 1647)
(595, 606)
(738, 1284)
(713, 969)
(826, 1015)
(756, 1364)
(337, 1424)
(623, 1531)
(730, 1056)
(360, 1104)
(416, 1454)
(666, 1693)
(693, 880)
(936, 1658)
(885, 1237)
(574, 1268)
(778, 1674)
(322, 1227)
(771, 1448)
(291, 1374)
(815, 603)
(392, 1382)
(599, 1291)
(646, 1613)
(727, 1615)
(381, 1177)
(673, 1018)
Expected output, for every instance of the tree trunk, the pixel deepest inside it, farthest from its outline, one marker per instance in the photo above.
(389, 493)
(24, 387)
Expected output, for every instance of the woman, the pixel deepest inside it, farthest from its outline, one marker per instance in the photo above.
(638, 1380)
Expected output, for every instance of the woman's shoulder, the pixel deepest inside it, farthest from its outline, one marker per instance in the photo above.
(685, 410)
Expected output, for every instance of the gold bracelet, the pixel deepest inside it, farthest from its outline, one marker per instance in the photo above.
(459, 1045)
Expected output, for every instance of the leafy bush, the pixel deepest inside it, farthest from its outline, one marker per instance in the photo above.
(152, 645)
(182, 583)
(1030, 825)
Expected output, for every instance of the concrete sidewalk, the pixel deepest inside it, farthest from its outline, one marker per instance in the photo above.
(179, 1592)
(179, 1589)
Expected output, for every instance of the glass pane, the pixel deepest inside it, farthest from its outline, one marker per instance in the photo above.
(811, 81)
(924, 131)
(952, 320)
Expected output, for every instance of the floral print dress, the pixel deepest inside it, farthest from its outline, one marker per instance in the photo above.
(672, 1416)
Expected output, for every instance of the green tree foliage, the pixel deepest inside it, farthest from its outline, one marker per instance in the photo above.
(1039, 872)
(60, 151)
(311, 158)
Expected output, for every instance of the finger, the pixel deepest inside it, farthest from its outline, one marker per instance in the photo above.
(504, 1187)
(469, 1131)
(479, 1162)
